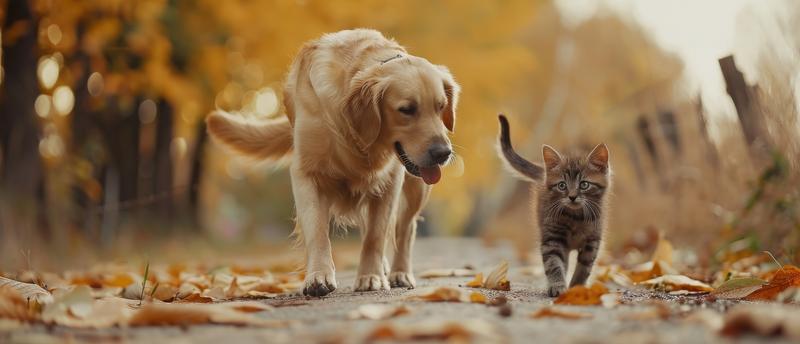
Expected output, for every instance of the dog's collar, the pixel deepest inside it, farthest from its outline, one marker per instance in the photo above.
(392, 58)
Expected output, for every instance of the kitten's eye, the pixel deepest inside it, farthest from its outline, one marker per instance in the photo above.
(562, 186)
(409, 110)
(584, 185)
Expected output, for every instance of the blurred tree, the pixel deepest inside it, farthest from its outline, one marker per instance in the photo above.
(21, 177)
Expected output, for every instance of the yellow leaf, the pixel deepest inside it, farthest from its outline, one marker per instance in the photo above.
(477, 282)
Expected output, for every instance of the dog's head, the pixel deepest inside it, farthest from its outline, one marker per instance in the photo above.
(408, 104)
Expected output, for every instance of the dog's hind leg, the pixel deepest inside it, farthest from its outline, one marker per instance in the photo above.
(415, 195)
(381, 216)
(313, 215)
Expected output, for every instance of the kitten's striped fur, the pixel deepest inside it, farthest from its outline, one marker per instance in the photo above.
(571, 206)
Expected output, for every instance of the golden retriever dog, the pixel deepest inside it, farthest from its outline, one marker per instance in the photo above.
(366, 129)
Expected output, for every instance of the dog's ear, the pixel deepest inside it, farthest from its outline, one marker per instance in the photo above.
(362, 108)
(451, 91)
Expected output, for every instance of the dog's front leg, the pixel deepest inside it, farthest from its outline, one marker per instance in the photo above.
(381, 216)
(313, 214)
(415, 193)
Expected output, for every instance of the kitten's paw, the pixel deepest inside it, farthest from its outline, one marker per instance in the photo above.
(319, 283)
(372, 283)
(399, 279)
(556, 290)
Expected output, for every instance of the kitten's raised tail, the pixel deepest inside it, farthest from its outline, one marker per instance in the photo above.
(521, 166)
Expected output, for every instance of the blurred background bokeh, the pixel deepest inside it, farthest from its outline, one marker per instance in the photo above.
(103, 149)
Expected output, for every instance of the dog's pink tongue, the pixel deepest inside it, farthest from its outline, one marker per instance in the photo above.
(430, 175)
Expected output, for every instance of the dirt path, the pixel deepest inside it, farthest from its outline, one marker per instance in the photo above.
(326, 319)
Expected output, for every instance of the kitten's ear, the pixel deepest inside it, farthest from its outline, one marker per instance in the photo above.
(598, 158)
(550, 156)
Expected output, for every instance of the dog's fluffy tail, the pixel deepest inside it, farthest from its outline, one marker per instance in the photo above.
(267, 140)
(521, 166)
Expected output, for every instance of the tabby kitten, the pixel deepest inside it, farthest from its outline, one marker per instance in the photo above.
(570, 204)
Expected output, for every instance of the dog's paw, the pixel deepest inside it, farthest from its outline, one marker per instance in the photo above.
(386, 266)
(319, 283)
(371, 283)
(399, 279)
(555, 290)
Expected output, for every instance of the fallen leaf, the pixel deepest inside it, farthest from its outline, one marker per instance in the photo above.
(183, 314)
(433, 273)
(118, 280)
(14, 306)
(676, 282)
(69, 307)
(196, 298)
(187, 289)
(550, 312)
(247, 306)
(28, 291)
(216, 293)
(447, 294)
(764, 320)
(162, 292)
(663, 251)
(233, 290)
(378, 311)
(471, 330)
(788, 276)
(477, 298)
(737, 288)
(477, 282)
(582, 296)
(497, 279)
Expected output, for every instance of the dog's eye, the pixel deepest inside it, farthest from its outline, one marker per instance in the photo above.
(408, 109)
(561, 186)
(584, 185)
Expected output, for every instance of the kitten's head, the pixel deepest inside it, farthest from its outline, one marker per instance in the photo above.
(575, 185)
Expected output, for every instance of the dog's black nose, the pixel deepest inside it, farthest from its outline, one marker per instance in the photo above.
(439, 153)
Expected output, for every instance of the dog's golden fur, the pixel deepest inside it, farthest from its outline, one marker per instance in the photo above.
(355, 102)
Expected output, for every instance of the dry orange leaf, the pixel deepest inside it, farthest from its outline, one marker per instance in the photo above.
(159, 314)
(14, 306)
(580, 295)
(788, 276)
(477, 298)
(549, 312)
(118, 280)
(441, 294)
(196, 298)
(447, 294)
(477, 282)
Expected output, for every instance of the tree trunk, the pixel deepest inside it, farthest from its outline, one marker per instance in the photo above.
(21, 173)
